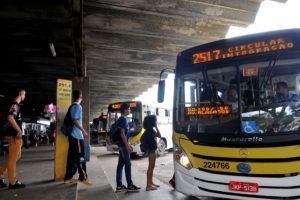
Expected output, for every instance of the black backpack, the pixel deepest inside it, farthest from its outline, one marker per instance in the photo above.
(114, 133)
(67, 127)
(144, 144)
(5, 128)
(3, 123)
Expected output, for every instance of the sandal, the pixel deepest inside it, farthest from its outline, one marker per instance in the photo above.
(151, 188)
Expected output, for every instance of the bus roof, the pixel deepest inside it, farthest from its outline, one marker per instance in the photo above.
(239, 47)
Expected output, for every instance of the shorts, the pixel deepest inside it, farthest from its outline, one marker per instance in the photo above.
(149, 151)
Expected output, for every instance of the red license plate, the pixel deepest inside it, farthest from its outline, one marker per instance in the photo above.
(244, 187)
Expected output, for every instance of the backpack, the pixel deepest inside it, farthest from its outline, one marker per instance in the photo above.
(67, 127)
(5, 128)
(114, 133)
(3, 124)
(144, 144)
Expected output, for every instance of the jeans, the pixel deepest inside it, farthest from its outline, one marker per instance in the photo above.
(124, 159)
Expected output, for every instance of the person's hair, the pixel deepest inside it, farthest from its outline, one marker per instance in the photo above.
(19, 91)
(282, 84)
(124, 107)
(77, 94)
(149, 122)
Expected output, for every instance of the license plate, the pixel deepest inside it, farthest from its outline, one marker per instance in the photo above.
(244, 187)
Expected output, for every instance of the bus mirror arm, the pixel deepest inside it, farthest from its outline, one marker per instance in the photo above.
(161, 85)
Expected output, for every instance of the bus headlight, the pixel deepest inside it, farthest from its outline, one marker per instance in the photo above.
(181, 157)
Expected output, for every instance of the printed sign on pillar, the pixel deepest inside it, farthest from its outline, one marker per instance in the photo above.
(63, 101)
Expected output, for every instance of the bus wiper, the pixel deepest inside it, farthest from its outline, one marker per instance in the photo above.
(268, 74)
(213, 96)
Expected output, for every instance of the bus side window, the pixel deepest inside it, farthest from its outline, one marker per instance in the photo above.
(167, 113)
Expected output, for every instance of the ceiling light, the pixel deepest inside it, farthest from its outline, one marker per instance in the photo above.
(52, 48)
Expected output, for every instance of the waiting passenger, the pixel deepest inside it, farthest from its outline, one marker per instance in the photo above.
(148, 138)
(283, 94)
(125, 149)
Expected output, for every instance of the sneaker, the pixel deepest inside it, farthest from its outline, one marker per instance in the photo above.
(133, 188)
(17, 185)
(2, 183)
(121, 189)
(87, 182)
(71, 180)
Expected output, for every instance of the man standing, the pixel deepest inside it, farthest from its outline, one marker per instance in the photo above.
(124, 152)
(76, 159)
(14, 137)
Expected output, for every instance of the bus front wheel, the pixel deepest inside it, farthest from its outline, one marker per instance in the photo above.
(161, 147)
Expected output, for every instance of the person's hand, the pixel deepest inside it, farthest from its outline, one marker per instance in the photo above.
(129, 149)
(19, 135)
(84, 134)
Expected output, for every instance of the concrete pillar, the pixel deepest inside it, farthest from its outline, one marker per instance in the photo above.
(64, 99)
(83, 84)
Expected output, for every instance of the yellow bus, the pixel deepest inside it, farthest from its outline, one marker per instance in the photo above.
(237, 117)
(138, 110)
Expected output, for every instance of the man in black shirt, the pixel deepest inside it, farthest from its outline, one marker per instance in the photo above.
(14, 137)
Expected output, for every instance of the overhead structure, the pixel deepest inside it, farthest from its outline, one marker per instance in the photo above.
(127, 43)
(122, 45)
(41, 41)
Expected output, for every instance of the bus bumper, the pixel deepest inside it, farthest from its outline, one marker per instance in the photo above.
(136, 147)
(112, 147)
(198, 183)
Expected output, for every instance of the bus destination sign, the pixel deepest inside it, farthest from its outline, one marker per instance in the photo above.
(255, 47)
(208, 110)
(118, 106)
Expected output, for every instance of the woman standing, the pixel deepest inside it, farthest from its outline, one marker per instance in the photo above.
(150, 124)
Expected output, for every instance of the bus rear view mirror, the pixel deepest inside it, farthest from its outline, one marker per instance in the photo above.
(161, 91)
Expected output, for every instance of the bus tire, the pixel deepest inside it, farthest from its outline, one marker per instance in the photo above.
(161, 147)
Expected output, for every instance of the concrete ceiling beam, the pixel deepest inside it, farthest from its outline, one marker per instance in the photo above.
(96, 39)
(124, 22)
(235, 12)
(131, 56)
(137, 80)
(127, 74)
(94, 64)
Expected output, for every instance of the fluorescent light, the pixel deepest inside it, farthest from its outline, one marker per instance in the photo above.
(52, 48)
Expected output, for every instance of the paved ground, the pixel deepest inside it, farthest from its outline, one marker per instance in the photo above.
(162, 174)
(36, 170)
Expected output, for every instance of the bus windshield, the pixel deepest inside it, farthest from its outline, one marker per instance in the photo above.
(134, 118)
(252, 97)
